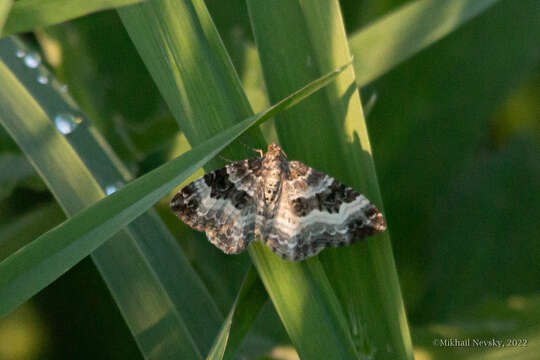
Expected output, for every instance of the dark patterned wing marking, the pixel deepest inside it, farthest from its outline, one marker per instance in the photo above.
(222, 204)
(316, 211)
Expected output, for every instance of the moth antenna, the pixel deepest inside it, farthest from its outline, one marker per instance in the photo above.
(225, 159)
(247, 146)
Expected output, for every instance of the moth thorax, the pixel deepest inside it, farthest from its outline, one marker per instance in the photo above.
(274, 163)
(271, 186)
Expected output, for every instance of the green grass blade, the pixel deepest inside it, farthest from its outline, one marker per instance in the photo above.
(27, 15)
(49, 256)
(399, 35)
(182, 50)
(293, 49)
(144, 255)
(188, 62)
(306, 304)
(5, 6)
(246, 307)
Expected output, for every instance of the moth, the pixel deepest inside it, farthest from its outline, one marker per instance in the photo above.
(294, 209)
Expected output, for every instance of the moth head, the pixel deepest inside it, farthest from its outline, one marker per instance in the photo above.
(274, 151)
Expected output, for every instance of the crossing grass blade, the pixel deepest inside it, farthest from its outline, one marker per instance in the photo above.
(293, 49)
(246, 307)
(180, 46)
(27, 15)
(49, 256)
(399, 35)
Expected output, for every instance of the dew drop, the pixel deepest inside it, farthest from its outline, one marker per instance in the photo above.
(112, 188)
(43, 77)
(20, 53)
(32, 60)
(66, 123)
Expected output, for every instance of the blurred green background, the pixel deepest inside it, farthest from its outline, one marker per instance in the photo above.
(456, 138)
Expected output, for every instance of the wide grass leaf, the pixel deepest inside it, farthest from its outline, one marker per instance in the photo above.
(27, 15)
(297, 40)
(185, 56)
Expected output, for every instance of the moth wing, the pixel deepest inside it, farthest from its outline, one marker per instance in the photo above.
(317, 211)
(222, 203)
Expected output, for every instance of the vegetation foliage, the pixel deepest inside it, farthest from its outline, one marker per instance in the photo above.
(156, 90)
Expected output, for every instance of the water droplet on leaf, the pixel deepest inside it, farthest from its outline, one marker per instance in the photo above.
(66, 123)
(112, 188)
(43, 77)
(32, 60)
